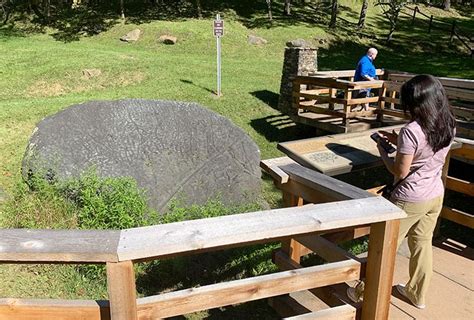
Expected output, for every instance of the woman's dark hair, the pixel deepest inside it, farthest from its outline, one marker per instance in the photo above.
(425, 98)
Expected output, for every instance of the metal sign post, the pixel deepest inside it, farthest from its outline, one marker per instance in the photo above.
(218, 33)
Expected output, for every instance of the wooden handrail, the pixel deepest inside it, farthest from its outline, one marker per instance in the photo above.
(120, 248)
(71, 246)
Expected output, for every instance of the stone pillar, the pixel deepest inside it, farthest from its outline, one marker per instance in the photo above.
(299, 60)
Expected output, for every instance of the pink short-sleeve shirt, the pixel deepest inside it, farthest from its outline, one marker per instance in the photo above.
(425, 184)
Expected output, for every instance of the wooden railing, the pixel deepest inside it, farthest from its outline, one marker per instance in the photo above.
(452, 27)
(461, 186)
(300, 185)
(119, 249)
(318, 93)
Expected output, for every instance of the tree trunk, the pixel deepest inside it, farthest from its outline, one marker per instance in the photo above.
(363, 14)
(269, 4)
(122, 10)
(393, 25)
(199, 9)
(287, 7)
(332, 23)
(446, 5)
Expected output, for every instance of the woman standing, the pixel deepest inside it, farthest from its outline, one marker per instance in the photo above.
(422, 147)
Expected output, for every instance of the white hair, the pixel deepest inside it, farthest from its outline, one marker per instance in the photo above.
(372, 51)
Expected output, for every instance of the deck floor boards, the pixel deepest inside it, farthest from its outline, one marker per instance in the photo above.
(451, 294)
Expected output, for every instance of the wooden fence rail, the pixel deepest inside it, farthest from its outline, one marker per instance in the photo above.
(119, 249)
(454, 30)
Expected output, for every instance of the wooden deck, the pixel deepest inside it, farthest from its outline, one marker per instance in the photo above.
(451, 294)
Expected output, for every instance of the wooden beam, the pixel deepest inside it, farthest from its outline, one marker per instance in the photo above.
(227, 293)
(324, 293)
(346, 235)
(395, 113)
(122, 291)
(41, 309)
(458, 216)
(47, 246)
(447, 82)
(461, 186)
(344, 312)
(272, 167)
(305, 192)
(343, 73)
(255, 227)
(341, 114)
(379, 269)
(322, 183)
(462, 94)
(466, 151)
(327, 250)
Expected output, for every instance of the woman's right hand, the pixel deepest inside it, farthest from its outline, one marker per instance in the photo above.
(390, 136)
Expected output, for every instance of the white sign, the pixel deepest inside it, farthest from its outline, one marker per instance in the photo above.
(218, 28)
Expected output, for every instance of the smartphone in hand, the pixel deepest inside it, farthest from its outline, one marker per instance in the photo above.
(384, 143)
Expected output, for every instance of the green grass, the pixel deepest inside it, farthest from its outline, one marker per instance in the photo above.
(40, 75)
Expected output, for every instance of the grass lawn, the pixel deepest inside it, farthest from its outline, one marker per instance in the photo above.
(40, 75)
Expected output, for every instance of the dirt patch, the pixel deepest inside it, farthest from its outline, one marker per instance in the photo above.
(43, 88)
(77, 82)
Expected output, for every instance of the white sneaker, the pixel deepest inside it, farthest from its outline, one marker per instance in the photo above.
(356, 294)
(401, 289)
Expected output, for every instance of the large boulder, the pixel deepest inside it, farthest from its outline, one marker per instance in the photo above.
(132, 36)
(173, 150)
(251, 39)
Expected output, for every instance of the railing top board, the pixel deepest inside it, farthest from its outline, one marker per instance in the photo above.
(27, 245)
(331, 82)
(227, 231)
(342, 73)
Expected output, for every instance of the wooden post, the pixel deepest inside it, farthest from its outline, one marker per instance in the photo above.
(122, 290)
(431, 24)
(332, 94)
(444, 176)
(291, 247)
(382, 94)
(393, 95)
(414, 15)
(379, 273)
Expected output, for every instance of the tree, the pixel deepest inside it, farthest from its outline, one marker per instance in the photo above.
(287, 7)
(334, 5)
(363, 14)
(269, 4)
(199, 9)
(446, 5)
(391, 9)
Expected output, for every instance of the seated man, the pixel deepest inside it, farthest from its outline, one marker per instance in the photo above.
(365, 71)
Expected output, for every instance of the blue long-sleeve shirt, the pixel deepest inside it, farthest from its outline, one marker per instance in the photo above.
(365, 67)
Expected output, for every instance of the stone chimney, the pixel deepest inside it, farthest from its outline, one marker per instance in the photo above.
(299, 59)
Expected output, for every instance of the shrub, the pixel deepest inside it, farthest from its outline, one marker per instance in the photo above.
(107, 203)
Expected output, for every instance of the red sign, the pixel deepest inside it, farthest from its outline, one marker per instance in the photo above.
(218, 28)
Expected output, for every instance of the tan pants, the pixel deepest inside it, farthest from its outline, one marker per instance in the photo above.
(419, 226)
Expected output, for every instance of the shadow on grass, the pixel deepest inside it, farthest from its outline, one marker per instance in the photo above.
(92, 19)
(268, 97)
(190, 82)
(280, 128)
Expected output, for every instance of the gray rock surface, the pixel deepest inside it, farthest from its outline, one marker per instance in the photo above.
(167, 39)
(298, 43)
(173, 149)
(132, 36)
(251, 39)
